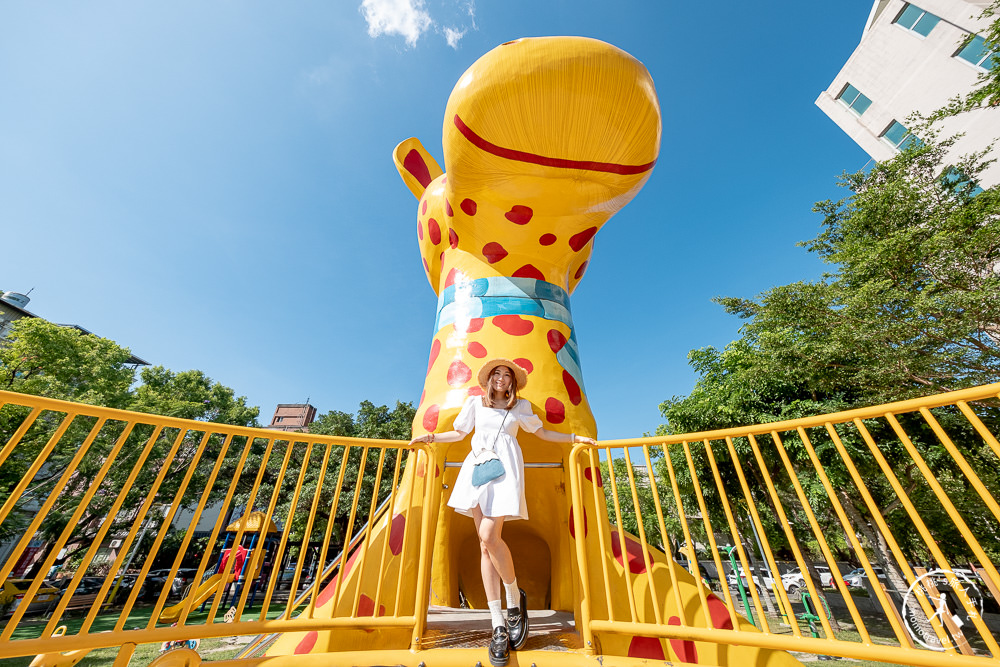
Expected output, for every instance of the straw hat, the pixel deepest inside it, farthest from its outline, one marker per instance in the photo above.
(520, 375)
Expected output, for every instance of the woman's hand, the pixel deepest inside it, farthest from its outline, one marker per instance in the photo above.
(426, 437)
(583, 440)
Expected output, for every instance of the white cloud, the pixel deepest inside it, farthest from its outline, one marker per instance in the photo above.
(453, 37)
(407, 18)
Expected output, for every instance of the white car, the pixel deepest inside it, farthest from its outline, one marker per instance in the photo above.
(793, 581)
(856, 577)
(762, 580)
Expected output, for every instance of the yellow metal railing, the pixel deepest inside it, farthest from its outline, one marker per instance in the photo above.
(109, 491)
(906, 491)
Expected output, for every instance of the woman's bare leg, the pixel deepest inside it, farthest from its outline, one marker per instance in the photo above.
(496, 564)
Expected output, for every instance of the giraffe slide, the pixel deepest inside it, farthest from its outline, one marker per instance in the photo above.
(544, 140)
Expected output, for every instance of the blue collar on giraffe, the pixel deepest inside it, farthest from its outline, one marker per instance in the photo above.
(501, 295)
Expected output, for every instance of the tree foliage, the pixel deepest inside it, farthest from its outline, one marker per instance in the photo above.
(45, 359)
(910, 307)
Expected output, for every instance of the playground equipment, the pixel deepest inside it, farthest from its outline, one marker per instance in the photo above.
(506, 235)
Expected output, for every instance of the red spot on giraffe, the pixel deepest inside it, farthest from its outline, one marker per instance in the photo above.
(459, 373)
(423, 209)
(420, 231)
(719, 612)
(427, 266)
(307, 643)
(591, 472)
(477, 350)
(453, 238)
(684, 648)
(547, 239)
(468, 206)
(529, 271)
(572, 388)
(556, 340)
(396, 534)
(513, 325)
(326, 594)
(431, 417)
(572, 523)
(475, 324)
(435, 351)
(494, 252)
(448, 209)
(434, 231)
(636, 563)
(645, 647)
(415, 165)
(441, 259)
(475, 391)
(555, 411)
(366, 607)
(579, 272)
(450, 280)
(577, 241)
(525, 364)
(519, 215)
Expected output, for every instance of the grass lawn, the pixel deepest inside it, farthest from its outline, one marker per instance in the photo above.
(218, 648)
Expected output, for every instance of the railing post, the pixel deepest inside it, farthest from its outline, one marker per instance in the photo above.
(576, 501)
(433, 486)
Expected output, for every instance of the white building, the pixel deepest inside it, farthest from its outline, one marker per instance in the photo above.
(914, 57)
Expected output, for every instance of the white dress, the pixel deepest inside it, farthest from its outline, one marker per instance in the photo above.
(504, 496)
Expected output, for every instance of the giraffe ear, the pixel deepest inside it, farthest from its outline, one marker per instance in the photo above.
(415, 165)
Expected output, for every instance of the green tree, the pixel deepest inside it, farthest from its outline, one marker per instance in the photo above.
(911, 307)
(370, 422)
(49, 360)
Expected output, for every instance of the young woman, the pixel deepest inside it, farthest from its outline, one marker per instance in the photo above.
(496, 418)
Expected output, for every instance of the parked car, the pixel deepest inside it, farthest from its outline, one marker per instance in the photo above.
(184, 576)
(12, 594)
(85, 592)
(762, 579)
(856, 577)
(793, 581)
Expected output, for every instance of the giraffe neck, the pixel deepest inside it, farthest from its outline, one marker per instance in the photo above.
(507, 297)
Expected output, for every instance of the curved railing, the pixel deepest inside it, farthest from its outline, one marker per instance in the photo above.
(124, 491)
(906, 491)
(899, 491)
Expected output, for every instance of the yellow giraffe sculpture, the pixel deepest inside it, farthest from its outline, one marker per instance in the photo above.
(544, 140)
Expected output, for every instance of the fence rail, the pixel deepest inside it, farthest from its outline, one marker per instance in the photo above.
(130, 503)
(116, 496)
(907, 491)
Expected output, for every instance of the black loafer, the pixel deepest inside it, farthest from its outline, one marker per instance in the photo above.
(517, 622)
(500, 647)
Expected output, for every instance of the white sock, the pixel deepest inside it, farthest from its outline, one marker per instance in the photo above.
(513, 595)
(495, 614)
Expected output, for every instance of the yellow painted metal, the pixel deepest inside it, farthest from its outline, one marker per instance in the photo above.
(669, 497)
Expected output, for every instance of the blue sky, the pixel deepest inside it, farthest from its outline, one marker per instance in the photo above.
(211, 183)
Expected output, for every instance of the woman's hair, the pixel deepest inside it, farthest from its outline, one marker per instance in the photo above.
(492, 400)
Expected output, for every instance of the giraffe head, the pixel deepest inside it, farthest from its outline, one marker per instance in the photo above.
(544, 140)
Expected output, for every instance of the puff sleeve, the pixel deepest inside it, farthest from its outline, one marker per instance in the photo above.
(466, 419)
(527, 419)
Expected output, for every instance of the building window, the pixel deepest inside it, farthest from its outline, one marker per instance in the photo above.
(916, 20)
(979, 53)
(854, 100)
(899, 137)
